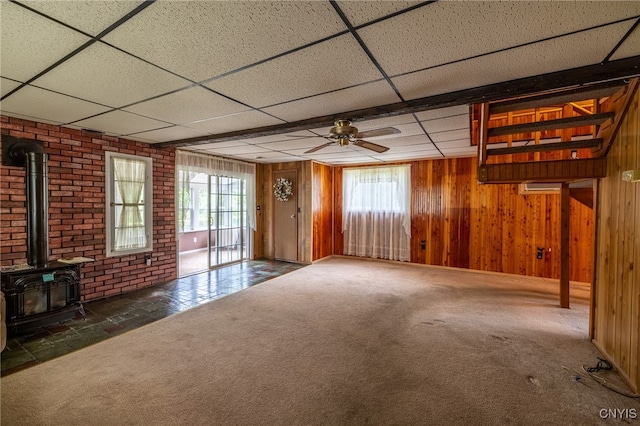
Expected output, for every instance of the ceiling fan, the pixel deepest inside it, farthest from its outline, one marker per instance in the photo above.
(343, 133)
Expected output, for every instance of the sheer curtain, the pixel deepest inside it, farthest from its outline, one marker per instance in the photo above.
(189, 164)
(376, 212)
(129, 179)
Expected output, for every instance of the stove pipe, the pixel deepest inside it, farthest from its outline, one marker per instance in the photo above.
(32, 156)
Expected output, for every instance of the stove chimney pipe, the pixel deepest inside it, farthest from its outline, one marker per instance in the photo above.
(30, 154)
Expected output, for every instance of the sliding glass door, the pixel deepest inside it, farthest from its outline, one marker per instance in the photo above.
(227, 219)
(212, 221)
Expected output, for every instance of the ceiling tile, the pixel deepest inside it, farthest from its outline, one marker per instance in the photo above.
(31, 43)
(434, 114)
(107, 76)
(576, 50)
(31, 118)
(354, 98)
(7, 85)
(412, 155)
(49, 105)
(186, 106)
(405, 141)
(169, 134)
(190, 38)
(316, 69)
(456, 122)
(215, 145)
(92, 17)
(237, 121)
(456, 143)
(630, 47)
(120, 123)
(451, 135)
(425, 146)
(240, 149)
(453, 30)
(287, 145)
(361, 12)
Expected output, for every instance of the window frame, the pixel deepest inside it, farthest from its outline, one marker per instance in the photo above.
(110, 191)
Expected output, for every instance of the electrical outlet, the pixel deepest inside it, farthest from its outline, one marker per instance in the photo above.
(147, 259)
(195, 239)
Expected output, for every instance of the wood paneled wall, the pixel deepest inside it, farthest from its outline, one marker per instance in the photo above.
(322, 210)
(264, 236)
(485, 227)
(616, 317)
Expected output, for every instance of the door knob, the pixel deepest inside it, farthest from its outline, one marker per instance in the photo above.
(293, 216)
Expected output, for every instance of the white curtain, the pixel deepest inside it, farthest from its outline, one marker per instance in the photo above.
(376, 212)
(189, 164)
(129, 179)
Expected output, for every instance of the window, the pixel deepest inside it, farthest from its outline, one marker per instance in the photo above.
(129, 191)
(376, 212)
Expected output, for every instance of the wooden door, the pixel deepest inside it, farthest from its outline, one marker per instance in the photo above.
(285, 220)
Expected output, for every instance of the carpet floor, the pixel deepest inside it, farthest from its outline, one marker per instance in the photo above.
(340, 342)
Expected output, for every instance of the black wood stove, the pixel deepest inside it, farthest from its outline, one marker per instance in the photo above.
(40, 292)
(41, 296)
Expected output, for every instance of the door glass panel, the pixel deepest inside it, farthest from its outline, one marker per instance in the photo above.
(212, 223)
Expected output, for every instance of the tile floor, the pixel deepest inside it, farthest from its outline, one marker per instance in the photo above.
(116, 315)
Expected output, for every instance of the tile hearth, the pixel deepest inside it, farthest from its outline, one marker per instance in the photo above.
(116, 315)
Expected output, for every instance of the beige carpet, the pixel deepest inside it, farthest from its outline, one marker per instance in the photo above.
(340, 342)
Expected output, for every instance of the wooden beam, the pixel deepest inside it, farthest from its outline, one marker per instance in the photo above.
(557, 97)
(594, 272)
(544, 171)
(554, 146)
(560, 123)
(609, 134)
(565, 215)
(580, 110)
(484, 128)
(587, 75)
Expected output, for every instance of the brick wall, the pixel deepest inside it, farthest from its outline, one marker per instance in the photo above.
(76, 163)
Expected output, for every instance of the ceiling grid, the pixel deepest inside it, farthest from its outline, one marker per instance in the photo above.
(199, 73)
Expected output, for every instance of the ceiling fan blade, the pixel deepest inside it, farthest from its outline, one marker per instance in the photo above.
(317, 148)
(372, 146)
(378, 132)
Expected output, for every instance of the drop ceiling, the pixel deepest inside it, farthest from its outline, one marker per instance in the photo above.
(189, 72)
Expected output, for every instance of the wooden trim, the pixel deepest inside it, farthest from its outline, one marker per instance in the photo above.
(561, 123)
(557, 98)
(555, 146)
(565, 218)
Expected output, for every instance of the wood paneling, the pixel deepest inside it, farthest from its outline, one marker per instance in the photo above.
(265, 236)
(543, 171)
(322, 210)
(485, 227)
(617, 278)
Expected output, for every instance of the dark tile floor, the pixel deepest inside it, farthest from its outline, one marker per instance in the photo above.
(116, 315)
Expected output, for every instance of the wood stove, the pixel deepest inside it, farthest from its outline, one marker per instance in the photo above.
(41, 291)
(41, 296)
